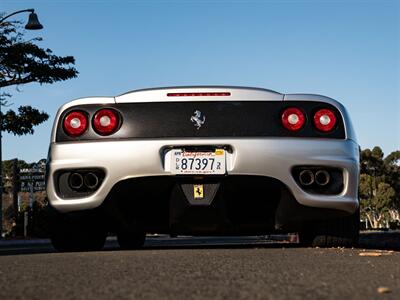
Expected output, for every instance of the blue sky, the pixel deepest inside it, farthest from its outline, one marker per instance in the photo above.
(348, 50)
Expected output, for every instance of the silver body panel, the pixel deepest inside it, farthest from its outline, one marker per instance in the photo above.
(272, 157)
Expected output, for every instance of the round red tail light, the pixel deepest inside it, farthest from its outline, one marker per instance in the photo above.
(293, 119)
(325, 120)
(106, 121)
(75, 123)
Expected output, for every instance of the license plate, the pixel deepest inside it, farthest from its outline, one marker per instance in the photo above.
(198, 162)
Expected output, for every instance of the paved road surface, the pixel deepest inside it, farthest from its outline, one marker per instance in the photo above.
(200, 268)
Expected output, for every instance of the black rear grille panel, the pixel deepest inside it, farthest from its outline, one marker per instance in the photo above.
(242, 204)
(154, 120)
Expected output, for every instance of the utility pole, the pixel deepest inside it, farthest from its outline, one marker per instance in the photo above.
(15, 189)
(1, 181)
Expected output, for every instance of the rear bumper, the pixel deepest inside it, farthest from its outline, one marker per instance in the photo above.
(267, 157)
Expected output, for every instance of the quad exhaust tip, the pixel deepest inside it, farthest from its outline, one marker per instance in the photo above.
(79, 181)
(91, 180)
(75, 181)
(306, 177)
(320, 178)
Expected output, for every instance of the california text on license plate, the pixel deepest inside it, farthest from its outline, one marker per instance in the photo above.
(198, 162)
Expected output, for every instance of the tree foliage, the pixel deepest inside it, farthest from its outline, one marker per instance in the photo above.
(22, 122)
(8, 165)
(379, 188)
(21, 62)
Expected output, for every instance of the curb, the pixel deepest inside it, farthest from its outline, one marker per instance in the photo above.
(381, 240)
(4, 244)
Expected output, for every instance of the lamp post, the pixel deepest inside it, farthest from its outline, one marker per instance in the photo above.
(33, 21)
(32, 24)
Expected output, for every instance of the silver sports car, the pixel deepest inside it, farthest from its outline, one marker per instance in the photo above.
(215, 160)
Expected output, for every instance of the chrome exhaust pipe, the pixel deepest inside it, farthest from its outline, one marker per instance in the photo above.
(306, 177)
(322, 177)
(75, 181)
(91, 180)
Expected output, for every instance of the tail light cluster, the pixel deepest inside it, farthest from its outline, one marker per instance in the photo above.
(325, 120)
(75, 123)
(105, 122)
(294, 119)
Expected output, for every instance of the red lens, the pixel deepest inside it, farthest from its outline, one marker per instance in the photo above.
(293, 119)
(75, 123)
(106, 121)
(325, 120)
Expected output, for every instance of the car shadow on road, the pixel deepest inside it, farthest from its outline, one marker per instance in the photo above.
(151, 246)
(367, 241)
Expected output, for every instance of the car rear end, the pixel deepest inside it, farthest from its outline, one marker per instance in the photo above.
(206, 160)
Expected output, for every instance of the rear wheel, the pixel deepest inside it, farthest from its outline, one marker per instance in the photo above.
(131, 240)
(77, 233)
(343, 232)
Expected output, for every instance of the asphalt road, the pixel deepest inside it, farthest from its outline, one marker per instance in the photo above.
(200, 268)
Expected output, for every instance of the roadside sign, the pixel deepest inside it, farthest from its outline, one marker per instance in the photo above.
(32, 179)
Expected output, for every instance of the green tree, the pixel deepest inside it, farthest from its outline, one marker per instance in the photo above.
(372, 161)
(379, 188)
(377, 200)
(8, 165)
(22, 62)
(392, 171)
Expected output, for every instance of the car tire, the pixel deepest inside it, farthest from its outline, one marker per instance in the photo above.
(131, 240)
(343, 232)
(77, 234)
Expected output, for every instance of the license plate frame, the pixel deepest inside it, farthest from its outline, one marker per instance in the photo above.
(198, 162)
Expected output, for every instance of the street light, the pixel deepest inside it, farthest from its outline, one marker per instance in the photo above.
(33, 21)
(33, 24)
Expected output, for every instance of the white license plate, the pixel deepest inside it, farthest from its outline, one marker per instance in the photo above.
(198, 162)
